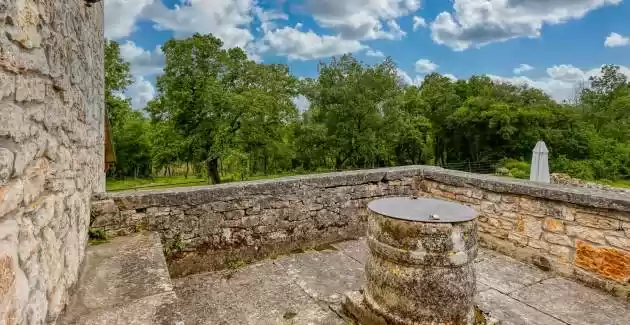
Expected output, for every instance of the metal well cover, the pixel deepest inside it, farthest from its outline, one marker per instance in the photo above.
(422, 209)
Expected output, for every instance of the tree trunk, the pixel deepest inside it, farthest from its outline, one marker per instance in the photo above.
(213, 171)
(186, 173)
(265, 164)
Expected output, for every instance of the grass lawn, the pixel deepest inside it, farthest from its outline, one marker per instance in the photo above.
(151, 183)
(622, 183)
(179, 181)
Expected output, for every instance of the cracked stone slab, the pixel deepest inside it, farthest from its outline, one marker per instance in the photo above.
(261, 293)
(506, 274)
(356, 249)
(153, 310)
(574, 303)
(324, 275)
(511, 311)
(121, 273)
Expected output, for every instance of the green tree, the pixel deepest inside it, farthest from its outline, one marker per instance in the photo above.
(348, 99)
(213, 94)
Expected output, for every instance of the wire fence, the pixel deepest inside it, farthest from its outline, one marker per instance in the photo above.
(477, 167)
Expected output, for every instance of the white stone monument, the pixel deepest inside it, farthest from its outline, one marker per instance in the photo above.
(540, 164)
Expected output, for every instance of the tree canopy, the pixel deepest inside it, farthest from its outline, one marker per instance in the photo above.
(226, 116)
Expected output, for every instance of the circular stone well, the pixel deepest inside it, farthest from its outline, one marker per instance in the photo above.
(420, 267)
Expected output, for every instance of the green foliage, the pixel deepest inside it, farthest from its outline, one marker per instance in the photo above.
(217, 100)
(96, 236)
(222, 116)
(516, 168)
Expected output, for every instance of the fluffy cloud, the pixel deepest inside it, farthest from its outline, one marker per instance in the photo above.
(142, 62)
(362, 19)
(523, 68)
(374, 53)
(227, 19)
(418, 22)
(425, 66)
(407, 80)
(561, 81)
(121, 16)
(480, 22)
(450, 76)
(299, 45)
(140, 92)
(614, 40)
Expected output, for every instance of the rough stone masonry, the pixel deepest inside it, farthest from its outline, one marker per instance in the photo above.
(51, 150)
(577, 232)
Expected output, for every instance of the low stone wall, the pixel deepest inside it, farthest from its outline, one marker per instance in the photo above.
(579, 233)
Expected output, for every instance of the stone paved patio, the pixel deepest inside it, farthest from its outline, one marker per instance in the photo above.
(307, 288)
(125, 281)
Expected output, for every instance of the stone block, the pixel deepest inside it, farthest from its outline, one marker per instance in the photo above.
(619, 242)
(105, 213)
(553, 225)
(6, 165)
(586, 233)
(518, 239)
(11, 196)
(562, 252)
(561, 211)
(608, 262)
(7, 84)
(558, 239)
(29, 88)
(597, 221)
(493, 197)
(529, 226)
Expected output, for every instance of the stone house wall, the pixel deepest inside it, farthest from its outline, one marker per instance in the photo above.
(580, 233)
(51, 150)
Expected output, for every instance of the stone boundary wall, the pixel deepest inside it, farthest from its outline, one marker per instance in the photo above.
(579, 233)
(51, 150)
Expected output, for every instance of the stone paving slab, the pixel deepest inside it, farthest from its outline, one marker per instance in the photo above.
(574, 303)
(307, 284)
(506, 274)
(261, 293)
(324, 275)
(356, 249)
(511, 311)
(118, 276)
(157, 309)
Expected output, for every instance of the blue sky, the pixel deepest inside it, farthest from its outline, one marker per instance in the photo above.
(550, 44)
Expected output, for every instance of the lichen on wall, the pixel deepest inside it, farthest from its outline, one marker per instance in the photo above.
(51, 150)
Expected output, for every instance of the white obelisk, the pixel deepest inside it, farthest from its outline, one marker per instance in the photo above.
(540, 164)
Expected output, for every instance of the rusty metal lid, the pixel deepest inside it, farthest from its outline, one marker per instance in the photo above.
(422, 210)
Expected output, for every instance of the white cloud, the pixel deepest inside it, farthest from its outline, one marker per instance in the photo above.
(301, 103)
(566, 72)
(450, 76)
(142, 62)
(480, 22)
(227, 19)
(140, 92)
(425, 66)
(523, 68)
(121, 16)
(418, 22)
(374, 53)
(407, 80)
(362, 19)
(614, 40)
(299, 45)
(561, 81)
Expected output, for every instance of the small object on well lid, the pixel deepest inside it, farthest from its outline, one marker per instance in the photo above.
(422, 209)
